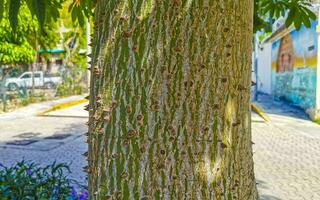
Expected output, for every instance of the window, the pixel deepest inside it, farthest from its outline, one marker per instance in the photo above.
(59, 62)
(26, 76)
(311, 48)
(37, 75)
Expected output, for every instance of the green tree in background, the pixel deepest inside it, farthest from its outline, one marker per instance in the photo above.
(15, 47)
(19, 44)
(169, 112)
(74, 42)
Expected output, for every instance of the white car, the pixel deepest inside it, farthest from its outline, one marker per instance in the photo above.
(25, 80)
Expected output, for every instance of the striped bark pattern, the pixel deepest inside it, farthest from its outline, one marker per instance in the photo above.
(169, 105)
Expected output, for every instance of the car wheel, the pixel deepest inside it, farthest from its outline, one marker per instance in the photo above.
(49, 85)
(13, 86)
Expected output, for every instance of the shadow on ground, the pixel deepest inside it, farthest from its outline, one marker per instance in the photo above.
(269, 197)
(64, 144)
(270, 106)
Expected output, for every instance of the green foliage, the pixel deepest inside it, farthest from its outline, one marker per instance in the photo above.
(16, 53)
(19, 46)
(27, 180)
(297, 12)
(71, 83)
(1, 9)
(68, 88)
(80, 9)
(77, 36)
(45, 11)
(75, 62)
(14, 47)
(14, 6)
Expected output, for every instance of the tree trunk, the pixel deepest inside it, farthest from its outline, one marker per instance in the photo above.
(169, 105)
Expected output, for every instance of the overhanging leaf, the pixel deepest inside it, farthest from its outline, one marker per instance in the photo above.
(14, 6)
(1, 9)
(39, 8)
(291, 16)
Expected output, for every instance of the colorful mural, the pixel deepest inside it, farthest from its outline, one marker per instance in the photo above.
(294, 67)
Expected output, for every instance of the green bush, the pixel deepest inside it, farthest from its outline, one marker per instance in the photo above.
(68, 89)
(27, 180)
(63, 90)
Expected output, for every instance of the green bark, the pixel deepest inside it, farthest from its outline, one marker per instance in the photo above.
(169, 104)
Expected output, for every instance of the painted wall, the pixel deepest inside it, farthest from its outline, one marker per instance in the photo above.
(294, 67)
(264, 69)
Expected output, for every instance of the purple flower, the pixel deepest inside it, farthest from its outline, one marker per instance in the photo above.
(55, 189)
(73, 192)
(29, 171)
(83, 196)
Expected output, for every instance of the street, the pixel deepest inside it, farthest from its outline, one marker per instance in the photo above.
(286, 149)
(286, 154)
(56, 137)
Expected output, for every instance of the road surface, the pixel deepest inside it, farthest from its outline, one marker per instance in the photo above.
(56, 137)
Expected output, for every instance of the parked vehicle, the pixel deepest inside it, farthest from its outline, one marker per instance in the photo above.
(40, 81)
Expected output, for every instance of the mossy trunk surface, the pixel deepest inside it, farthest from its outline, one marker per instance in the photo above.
(169, 104)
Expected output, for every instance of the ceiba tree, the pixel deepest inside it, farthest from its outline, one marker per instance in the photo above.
(169, 111)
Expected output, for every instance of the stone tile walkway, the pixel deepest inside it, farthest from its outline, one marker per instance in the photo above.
(286, 150)
(57, 137)
(286, 153)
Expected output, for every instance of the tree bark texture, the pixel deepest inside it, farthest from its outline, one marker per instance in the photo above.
(169, 104)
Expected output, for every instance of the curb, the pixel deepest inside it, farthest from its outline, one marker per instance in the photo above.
(61, 106)
(255, 108)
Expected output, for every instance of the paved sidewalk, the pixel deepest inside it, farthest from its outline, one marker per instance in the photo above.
(286, 150)
(34, 108)
(45, 139)
(286, 153)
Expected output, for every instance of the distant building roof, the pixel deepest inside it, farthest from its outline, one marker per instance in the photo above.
(57, 50)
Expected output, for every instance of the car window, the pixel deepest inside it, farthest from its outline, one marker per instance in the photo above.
(26, 76)
(37, 75)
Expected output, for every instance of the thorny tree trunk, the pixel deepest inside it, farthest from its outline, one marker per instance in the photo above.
(169, 104)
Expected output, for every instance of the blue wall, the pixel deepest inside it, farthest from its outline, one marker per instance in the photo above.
(294, 67)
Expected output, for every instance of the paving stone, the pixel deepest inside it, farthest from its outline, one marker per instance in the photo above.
(45, 151)
(286, 150)
(287, 154)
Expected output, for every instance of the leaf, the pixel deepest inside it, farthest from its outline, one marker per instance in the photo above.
(52, 10)
(2, 6)
(39, 9)
(290, 17)
(298, 22)
(74, 13)
(14, 6)
(311, 14)
(305, 18)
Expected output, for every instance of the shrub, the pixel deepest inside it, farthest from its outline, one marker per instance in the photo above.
(27, 180)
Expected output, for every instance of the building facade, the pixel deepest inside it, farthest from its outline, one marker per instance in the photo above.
(289, 68)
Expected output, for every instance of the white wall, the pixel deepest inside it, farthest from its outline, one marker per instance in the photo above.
(264, 68)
